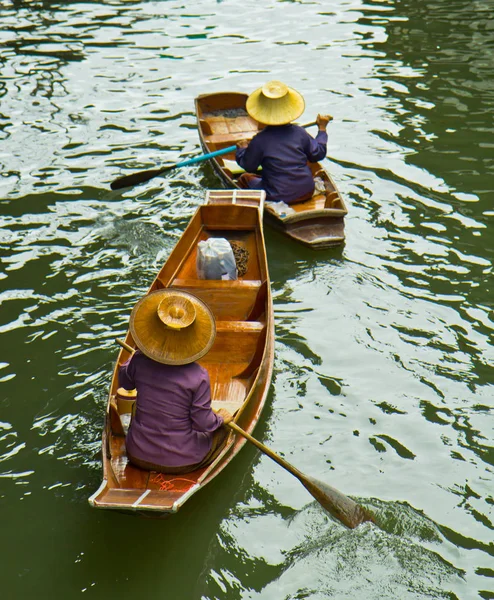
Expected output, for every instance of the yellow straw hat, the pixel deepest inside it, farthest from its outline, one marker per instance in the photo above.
(172, 327)
(275, 104)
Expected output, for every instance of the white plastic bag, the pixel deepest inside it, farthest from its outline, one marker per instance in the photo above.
(215, 259)
(319, 187)
(280, 208)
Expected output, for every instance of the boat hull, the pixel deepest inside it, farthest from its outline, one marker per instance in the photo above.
(318, 223)
(240, 362)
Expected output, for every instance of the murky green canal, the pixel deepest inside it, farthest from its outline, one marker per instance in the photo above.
(383, 383)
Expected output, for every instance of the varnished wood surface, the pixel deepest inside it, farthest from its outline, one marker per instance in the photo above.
(318, 222)
(239, 363)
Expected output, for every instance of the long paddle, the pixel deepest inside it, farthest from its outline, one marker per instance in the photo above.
(142, 176)
(340, 506)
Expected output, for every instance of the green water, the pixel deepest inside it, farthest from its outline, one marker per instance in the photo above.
(383, 382)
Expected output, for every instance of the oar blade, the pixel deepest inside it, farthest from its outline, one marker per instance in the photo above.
(340, 506)
(136, 178)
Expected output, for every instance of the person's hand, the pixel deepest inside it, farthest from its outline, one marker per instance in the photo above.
(242, 144)
(322, 121)
(225, 415)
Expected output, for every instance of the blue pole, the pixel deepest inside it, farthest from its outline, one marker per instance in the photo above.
(197, 159)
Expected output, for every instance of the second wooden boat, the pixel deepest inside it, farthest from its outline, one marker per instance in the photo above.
(239, 364)
(319, 222)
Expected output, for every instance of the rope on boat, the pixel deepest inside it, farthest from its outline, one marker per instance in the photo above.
(166, 485)
(241, 255)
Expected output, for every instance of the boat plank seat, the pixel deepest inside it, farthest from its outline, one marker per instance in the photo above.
(223, 124)
(230, 405)
(229, 360)
(240, 196)
(124, 497)
(235, 342)
(232, 391)
(135, 499)
(229, 300)
(238, 285)
(228, 139)
(240, 219)
(317, 202)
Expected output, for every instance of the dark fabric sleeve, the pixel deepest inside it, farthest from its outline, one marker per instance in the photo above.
(126, 374)
(202, 416)
(317, 148)
(250, 158)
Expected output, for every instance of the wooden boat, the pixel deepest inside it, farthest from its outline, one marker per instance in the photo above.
(239, 363)
(319, 222)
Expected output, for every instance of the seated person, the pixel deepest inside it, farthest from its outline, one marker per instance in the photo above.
(174, 429)
(282, 149)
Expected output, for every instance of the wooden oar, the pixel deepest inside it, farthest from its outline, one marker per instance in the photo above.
(125, 346)
(340, 506)
(142, 176)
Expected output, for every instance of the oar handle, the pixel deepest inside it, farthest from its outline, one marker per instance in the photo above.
(306, 125)
(125, 346)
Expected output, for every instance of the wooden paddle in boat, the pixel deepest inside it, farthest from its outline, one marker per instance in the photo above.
(240, 362)
(143, 176)
(222, 120)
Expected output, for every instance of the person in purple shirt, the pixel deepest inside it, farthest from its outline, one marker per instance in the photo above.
(281, 148)
(174, 429)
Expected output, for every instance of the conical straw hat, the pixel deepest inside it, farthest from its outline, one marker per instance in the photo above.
(172, 327)
(275, 104)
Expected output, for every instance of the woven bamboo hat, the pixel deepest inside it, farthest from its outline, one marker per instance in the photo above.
(275, 104)
(172, 327)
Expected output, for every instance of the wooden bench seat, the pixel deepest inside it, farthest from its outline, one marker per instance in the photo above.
(315, 203)
(222, 124)
(228, 139)
(235, 342)
(239, 285)
(229, 300)
(227, 390)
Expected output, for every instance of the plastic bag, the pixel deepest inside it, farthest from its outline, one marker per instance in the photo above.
(215, 260)
(319, 187)
(280, 208)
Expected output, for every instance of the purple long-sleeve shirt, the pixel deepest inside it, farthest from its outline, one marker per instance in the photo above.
(173, 423)
(283, 152)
